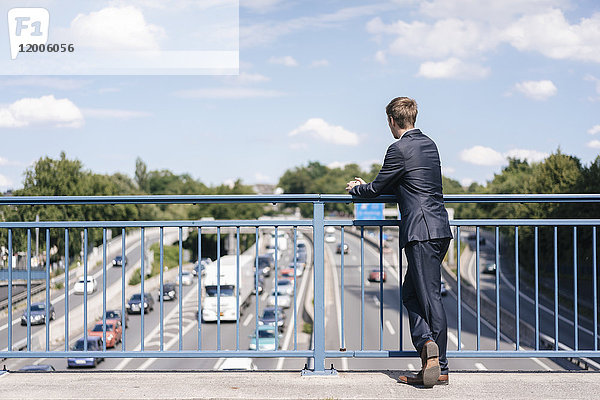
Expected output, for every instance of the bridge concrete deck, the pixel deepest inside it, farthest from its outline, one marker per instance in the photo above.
(290, 385)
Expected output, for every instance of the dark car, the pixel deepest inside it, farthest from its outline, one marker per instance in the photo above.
(37, 368)
(94, 343)
(339, 248)
(301, 246)
(265, 263)
(261, 285)
(169, 291)
(134, 305)
(116, 315)
(488, 267)
(268, 317)
(118, 261)
(201, 265)
(38, 314)
(443, 288)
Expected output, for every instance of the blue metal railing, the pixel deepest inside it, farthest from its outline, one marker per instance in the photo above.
(314, 231)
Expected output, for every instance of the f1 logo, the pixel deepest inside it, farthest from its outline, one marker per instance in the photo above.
(27, 26)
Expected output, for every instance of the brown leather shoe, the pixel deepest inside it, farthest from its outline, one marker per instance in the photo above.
(431, 363)
(417, 380)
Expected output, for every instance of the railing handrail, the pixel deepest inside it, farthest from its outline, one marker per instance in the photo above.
(289, 198)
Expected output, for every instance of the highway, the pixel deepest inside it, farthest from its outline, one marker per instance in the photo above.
(394, 333)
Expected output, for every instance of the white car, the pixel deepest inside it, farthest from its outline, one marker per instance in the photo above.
(187, 278)
(283, 299)
(92, 285)
(330, 238)
(285, 286)
(330, 229)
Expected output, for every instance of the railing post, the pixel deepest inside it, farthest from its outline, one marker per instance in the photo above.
(319, 293)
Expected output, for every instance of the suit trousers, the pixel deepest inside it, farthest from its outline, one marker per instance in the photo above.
(421, 295)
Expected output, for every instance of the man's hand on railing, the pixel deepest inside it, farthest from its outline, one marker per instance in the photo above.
(356, 182)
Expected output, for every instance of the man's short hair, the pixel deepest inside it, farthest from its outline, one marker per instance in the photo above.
(403, 110)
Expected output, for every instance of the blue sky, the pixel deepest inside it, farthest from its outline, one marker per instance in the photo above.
(492, 79)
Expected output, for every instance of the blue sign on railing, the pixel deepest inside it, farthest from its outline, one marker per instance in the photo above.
(368, 210)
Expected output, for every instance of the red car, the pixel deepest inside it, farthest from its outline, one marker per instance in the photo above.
(287, 273)
(113, 332)
(374, 275)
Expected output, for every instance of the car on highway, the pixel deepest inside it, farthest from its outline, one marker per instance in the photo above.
(288, 272)
(374, 275)
(261, 285)
(339, 248)
(201, 265)
(266, 338)
(79, 287)
(330, 238)
(118, 261)
(265, 263)
(268, 317)
(186, 278)
(37, 315)
(113, 332)
(94, 343)
(169, 291)
(286, 286)
(37, 368)
(134, 305)
(330, 229)
(238, 364)
(301, 246)
(115, 315)
(283, 299)
(443, 288)
(488, 267)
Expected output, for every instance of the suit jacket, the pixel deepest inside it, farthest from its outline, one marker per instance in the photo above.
(412, 172)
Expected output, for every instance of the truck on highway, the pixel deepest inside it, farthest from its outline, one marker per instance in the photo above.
(227, 277)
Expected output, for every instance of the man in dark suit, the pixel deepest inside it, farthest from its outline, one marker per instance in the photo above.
(411, 171)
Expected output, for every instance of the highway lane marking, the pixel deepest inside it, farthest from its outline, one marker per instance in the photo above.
(338, 310)
(288, 333)
(264, 296)
(454, 340)
(542, 307)
(376, 300)
(155, 331)
(167, 346)
(388, 325)
(490, 327)
(480, 366)
(248, 319)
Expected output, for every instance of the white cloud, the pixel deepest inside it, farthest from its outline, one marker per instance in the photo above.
(594, 130)
(122, 28)
(442, 39)
(380, 57)
(481, 155)
(364, 165)
(550, 34)
(496, 12)
(246, 78)
(227, 93)
(537, 90)
(322, 130)
(594, 144)
(531, 156)
(287, 61)
(319, 63)
(486, 156)
(452, 68)
(45, 110)
(113, 113)
(266, 32)
(5, 182)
